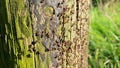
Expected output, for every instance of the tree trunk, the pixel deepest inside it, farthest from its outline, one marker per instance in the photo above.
(44, 33)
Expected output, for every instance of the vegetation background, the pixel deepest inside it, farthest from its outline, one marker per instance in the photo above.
(104, 48)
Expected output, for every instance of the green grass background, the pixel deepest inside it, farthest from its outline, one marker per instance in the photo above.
(104, 47)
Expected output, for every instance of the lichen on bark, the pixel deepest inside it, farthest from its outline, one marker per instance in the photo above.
(62, 27)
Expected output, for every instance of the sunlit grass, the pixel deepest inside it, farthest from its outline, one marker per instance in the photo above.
(104, 48)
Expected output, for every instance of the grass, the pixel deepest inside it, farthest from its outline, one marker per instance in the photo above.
(104, 48)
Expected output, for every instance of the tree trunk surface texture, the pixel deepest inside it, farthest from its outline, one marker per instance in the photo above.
(44, 33)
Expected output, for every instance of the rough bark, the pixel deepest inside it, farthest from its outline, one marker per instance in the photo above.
(44, 33)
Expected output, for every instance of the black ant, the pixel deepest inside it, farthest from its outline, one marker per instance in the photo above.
(42, 1)
(34, 42)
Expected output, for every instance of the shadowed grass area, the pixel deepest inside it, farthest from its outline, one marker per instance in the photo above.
(104, 48)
